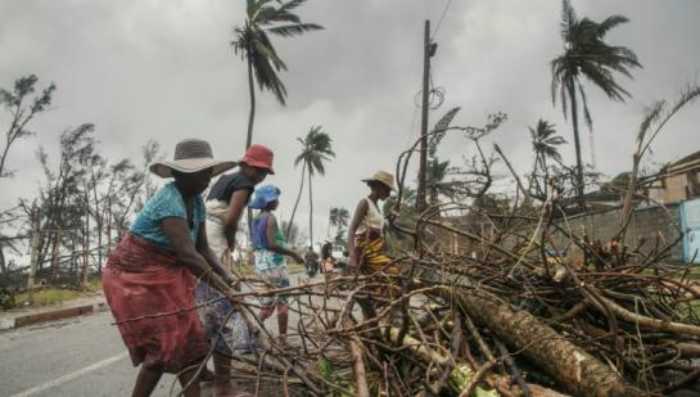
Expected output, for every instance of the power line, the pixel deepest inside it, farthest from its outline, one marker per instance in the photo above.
(442, 17)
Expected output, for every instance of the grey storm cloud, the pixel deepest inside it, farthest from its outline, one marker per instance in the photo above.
(164, 70)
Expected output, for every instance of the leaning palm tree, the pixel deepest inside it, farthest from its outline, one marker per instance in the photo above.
(587, 55)
(253, 44)
(316, 149)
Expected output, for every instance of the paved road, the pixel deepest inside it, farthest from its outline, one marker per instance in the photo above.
(80, 357)
(83, 356)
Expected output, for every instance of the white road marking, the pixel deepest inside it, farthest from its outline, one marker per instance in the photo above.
(67, 378)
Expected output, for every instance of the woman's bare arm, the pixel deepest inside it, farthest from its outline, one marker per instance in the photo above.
(272, 245)
(177, 232)
(236, 205)
(358, 216)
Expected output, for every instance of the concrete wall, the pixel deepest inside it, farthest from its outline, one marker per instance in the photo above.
(647, 223)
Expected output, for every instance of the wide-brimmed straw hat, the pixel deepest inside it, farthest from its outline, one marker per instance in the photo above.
(191, 155)
(259, 156)
(382, 177)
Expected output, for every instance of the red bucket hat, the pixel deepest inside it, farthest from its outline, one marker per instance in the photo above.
(259, 156)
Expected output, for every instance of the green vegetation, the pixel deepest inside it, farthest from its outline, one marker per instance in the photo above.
(47, 296)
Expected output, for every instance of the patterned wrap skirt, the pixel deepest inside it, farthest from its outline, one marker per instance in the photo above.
(230, 336)
(370, 253)
(275, 275)
(142, 279)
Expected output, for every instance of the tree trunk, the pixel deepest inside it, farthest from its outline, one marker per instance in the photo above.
(251, 120)
(36, 237)
(8, 143)
(577, 144)
(543, 160)
(577, 371)
(57, 236)
(3, 266)
(86, 252)
(251, 115)
(311, 212)
(296, 203)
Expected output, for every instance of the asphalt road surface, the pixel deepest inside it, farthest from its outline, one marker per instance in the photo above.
(83, 356)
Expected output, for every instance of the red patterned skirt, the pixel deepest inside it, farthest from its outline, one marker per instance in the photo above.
(142, 279)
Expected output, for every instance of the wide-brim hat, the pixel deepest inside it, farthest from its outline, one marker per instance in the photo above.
(382, 177)
(259, 156)
(264, 195)
(191, 155)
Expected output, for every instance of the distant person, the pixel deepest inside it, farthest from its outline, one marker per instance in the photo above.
(153, 271)
(226, 205)
(311, 262)
(366, 243)
(270, 249)
(327, 260)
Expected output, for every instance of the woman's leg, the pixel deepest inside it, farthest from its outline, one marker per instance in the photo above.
(185, 378)
(266, 311)
(222, 367)
(282, 319)
(146, 381)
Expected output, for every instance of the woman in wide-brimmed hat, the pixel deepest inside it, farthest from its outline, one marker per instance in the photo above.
(366, 243)
(366, 231)
(153, 271)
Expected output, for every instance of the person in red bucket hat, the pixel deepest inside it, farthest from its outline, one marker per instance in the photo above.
(259, 156)
(225, 206)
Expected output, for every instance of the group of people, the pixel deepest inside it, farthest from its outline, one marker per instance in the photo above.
(176, 257)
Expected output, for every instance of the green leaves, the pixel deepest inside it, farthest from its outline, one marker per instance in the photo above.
(440, 129)
(294, 30)
(252, 42)
(545, 140)
(316, 149)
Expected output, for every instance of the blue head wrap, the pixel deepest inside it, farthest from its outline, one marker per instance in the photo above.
(264, 195)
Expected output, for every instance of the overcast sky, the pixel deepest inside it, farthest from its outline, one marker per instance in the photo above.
(164, 70)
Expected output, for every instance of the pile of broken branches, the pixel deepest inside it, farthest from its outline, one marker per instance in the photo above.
(518, 321)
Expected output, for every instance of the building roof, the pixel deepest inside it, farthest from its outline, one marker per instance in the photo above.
(687, 159)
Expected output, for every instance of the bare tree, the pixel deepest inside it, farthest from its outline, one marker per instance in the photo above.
(22, 108)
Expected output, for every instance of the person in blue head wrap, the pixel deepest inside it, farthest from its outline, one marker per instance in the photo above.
(270, 249)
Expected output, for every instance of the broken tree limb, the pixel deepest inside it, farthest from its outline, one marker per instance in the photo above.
(576, 370)
(358, 365)
(648, 322)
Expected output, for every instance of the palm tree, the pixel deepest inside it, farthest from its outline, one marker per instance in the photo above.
(436, 173)
(316, 149)
(338, 218)
(544, 143)
(253, 44)
(586, 54)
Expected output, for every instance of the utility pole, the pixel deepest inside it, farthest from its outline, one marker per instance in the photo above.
(428, 51)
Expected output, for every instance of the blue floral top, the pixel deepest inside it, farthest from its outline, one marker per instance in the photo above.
(266, 260)
(166, 203)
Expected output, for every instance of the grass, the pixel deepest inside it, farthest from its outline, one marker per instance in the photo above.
(53, 296)
(249, 270)
(47, 296)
